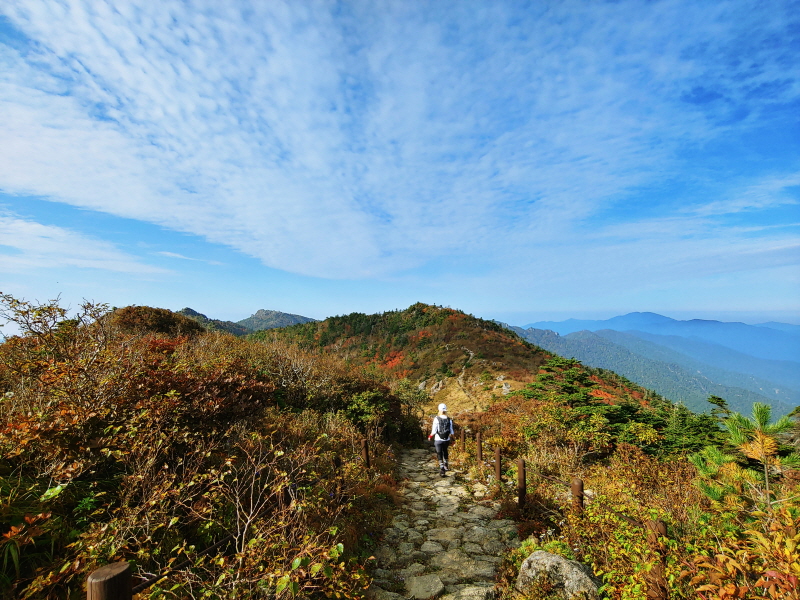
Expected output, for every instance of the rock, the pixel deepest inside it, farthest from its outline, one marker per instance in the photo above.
(569, 579)
(419, 556)
(482, 511)
(385, 557)
(378, 593)
(483, 570)
(413, 570)
(415, 537)
(391, 535)
(471, 592)
(444, 534)
(432, 547)
(424, 587)
(493, 547)
(479, 535)
(454, 544)
(501, 524)
(405, 548)
(472, 548)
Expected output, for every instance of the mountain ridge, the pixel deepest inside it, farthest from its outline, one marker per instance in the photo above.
(669, 375)
(768, 343)
(272, 319)
(260, 320)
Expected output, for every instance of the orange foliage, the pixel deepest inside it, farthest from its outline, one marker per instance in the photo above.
(394, 358)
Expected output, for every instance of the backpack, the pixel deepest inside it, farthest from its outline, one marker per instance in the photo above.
(443, 427)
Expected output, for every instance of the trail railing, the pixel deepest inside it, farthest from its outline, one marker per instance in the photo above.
(115, 581)
(654, 531)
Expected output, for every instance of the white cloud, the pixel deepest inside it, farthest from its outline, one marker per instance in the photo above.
(367, 140)
(37, 246)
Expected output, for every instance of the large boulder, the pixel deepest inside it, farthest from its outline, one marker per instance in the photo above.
(424, 587)
(546, 573)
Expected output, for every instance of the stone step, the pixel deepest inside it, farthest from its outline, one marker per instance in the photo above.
(443, 541)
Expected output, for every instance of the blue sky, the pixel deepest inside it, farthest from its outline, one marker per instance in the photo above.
(517, 161)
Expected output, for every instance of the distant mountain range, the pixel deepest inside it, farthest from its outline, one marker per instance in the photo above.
(262, 319)
(686, 360)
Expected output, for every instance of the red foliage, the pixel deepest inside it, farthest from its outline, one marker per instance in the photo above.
(394, 359)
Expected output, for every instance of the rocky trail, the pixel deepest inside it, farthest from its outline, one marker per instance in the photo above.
(444, 540)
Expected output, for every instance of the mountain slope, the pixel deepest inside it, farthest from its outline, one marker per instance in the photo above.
(270, 319)
(466, 362)
(785, 374)
(780, 392)
(661, 371)
(214, 324)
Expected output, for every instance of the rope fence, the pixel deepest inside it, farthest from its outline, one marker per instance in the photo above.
(654, 530)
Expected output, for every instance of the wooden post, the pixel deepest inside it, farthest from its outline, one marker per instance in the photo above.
(497, 466)
(479, 443)
(463, 446)
(522, 485)
(365, 453)
(112, 582)
(656, 579)
(577, 494)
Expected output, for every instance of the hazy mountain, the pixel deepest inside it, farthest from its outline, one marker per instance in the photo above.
(771, 341)
(214, 324)
(784, 390)
(271, 319)
(643, 321)
(670, 373)
(784, 373)
(781, 326)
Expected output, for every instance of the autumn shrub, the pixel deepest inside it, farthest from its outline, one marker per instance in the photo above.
(118, 443)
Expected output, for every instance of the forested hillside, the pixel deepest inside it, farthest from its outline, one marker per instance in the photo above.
(471, 364)
(671, 374)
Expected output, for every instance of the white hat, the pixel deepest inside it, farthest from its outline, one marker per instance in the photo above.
(443, 407)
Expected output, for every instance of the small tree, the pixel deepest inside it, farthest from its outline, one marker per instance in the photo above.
(727, 482)
(755, 438)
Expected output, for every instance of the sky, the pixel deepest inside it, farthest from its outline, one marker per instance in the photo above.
(518, 161)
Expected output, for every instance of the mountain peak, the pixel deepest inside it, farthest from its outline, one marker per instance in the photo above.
(272, 319)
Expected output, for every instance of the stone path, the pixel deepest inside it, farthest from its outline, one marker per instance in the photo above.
(444, 540)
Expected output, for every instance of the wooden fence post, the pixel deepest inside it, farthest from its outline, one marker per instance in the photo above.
(657, 577)
(497, 466)
(365, 453)
(576, 486)
(112, 582)
(479, 443)
(522, 485)
(463, 446)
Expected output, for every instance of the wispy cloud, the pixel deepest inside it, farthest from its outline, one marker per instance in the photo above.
(182, 257)
(26, 245)
(367, 139)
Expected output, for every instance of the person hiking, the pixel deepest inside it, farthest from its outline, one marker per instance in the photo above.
(442, 434)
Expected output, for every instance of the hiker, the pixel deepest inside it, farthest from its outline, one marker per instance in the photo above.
(442, 433)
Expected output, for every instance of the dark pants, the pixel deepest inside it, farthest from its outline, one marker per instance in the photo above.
(441, 451)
